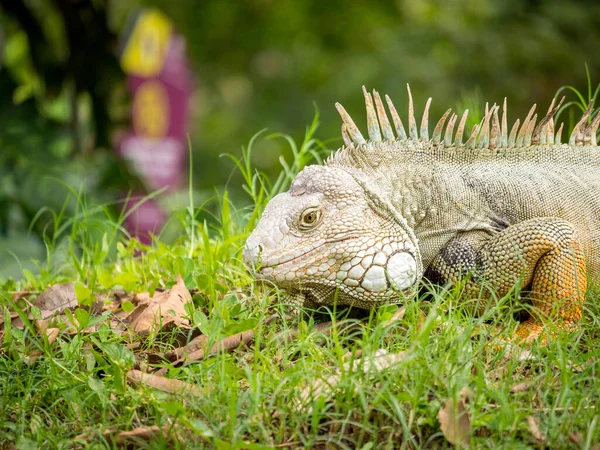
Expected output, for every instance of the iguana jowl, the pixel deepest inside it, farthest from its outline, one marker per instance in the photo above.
(387, 211)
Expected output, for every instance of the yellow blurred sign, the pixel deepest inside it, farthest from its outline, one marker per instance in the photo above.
(151, 112)
(146, 49)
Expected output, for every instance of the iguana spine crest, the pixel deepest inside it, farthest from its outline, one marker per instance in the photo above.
(490, 133)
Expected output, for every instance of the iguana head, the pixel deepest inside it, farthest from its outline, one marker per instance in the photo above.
(328, 237)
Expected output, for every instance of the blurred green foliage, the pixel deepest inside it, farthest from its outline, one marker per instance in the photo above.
(258, 63)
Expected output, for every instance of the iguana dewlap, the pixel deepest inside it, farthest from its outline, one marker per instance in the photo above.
(385, 212)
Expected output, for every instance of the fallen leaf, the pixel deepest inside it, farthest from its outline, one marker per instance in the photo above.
(126, 437)
(520, 387)
(52, 301)
(198, 343)
(144, 297)
(454, 421)
(164, 308)
(41, 326)
(576, 437)
(169, 385)
(497, 373)
(51, 334)
(144, 433)
(229, 343)
(535, 430)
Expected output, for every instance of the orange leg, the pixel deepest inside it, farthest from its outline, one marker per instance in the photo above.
(545, 254)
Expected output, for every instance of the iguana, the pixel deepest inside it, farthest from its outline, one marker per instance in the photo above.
(385, 212)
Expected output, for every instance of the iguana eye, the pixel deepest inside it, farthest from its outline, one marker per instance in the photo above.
(309, 218)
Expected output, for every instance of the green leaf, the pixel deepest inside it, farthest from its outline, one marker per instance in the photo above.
(127, 306)
(118, 377)
(118, 354)
(105, 277)
(238, 327)
(173, 408)
(96, 385)
(82, 317)
(83, 293)
(29, 276)
(129, 280)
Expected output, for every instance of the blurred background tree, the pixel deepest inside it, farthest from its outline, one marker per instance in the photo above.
(258, 63)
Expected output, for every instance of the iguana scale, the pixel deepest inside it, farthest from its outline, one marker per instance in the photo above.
(385, 212)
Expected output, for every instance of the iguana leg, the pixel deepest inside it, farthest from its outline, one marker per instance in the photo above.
(544, 253)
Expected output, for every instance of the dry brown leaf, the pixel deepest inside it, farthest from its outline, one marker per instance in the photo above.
(198, 343)
(164, 308)
(535, 430)
(169, 385)
(577, 437)
(144, 297)
(52, 301)
(454, 421)
(16, 296)
(41, 326)
(520, 387)
(228, 344)
(144, 433)
(52, 334)
(497, 373)
(126, 437)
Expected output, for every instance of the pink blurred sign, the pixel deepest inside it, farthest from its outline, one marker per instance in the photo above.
(160, 83)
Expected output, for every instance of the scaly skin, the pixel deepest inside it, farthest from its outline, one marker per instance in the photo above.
(384, 213)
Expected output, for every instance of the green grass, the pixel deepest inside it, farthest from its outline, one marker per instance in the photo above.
(255, 397)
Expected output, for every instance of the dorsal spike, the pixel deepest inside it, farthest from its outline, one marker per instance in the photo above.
(345, 136)
(577, 134)
(540, 130)
(412, 122)
(543, 135)
(473, 138)
(461, 128)
(513, 133)
(530, 128)
(504, 132)
(351, 127)
(495, 131)
(372, 124)
(592, 128)
(396, 119)
(525, 127)
(450, 130)
(559, 134)
(425, 122)
(386, 128)
(547, 136)
(437, 131)
(484, 136)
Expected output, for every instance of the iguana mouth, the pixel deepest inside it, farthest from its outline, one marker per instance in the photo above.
(333, 241)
